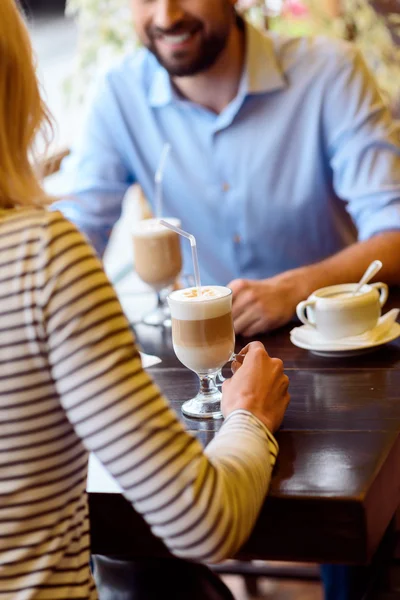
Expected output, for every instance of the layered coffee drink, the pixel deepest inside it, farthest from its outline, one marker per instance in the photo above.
(202, 327)
(157, 252)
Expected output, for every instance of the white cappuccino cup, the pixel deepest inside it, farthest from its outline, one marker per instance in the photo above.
(336, 313)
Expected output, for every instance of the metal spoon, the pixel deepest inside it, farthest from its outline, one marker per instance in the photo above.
(372, 270)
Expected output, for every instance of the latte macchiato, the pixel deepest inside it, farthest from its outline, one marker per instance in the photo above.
(157, 251)
(202, 327)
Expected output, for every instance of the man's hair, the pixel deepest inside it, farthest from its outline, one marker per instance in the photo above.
(23, 114)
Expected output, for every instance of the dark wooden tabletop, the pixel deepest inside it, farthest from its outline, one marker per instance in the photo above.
(336, 485)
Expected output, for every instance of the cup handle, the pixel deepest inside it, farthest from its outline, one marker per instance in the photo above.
(383, 290)
(301, 312)
(220, 377)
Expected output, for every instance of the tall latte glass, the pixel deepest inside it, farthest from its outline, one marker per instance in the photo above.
(204, 341)
(158, 262)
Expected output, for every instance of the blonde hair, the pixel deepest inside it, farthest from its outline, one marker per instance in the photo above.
(23, 114)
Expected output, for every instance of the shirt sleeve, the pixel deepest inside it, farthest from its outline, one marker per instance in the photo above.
(364, 147)
(95, 177)
(203, 504)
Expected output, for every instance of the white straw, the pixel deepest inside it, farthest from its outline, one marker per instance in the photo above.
(193, 244)
(158, 178)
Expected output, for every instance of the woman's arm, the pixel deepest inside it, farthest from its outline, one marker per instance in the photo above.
(203, 504)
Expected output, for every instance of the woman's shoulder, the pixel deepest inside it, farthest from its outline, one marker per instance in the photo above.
(31, 228)
(31, 220)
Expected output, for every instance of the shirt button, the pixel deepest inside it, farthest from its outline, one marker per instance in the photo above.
(237, 239)
(226, 187)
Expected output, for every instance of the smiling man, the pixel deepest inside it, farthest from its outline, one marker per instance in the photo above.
(185, 44)
(285, 161)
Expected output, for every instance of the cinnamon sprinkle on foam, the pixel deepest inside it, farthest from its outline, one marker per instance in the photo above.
(207, 293)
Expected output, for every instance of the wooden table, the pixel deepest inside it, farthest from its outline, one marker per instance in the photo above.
(336, 485)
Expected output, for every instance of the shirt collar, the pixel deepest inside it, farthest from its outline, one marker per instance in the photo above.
(262, 72)
(161, 91)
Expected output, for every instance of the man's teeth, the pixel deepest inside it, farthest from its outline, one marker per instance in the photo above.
(176, 39)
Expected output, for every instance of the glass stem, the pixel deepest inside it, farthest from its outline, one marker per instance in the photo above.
(160, 302)
(208, 386)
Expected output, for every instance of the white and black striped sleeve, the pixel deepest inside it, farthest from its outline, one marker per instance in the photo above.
(202, 503)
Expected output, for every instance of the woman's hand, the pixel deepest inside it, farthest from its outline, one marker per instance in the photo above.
(258, 385)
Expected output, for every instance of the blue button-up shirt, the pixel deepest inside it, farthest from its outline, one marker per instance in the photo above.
(302, 162)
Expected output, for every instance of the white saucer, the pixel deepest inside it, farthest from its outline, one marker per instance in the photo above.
(346, 350)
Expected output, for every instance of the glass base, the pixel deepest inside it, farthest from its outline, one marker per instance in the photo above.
(204, 406)
(159, 317)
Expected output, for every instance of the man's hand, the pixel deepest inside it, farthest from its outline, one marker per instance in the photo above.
(263, 305)
(258, 385)
(270, 303)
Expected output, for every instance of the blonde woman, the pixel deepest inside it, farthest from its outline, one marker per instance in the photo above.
(72, 382)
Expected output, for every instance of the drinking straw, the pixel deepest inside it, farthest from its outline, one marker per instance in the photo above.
(158, 178)
(193, 244)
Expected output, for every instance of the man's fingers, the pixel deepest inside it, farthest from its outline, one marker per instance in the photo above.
(242, 302)
(256, 327)
(237, 285)
(244, 297)
(244, 321)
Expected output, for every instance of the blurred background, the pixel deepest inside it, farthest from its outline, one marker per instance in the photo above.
(54, 38)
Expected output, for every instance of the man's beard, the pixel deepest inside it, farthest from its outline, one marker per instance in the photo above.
(180, 65)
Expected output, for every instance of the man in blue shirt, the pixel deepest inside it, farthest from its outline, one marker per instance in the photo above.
(285, 162)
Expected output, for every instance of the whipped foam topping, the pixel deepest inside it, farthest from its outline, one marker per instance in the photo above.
(207, 293)
(188, 305)
(148, 227)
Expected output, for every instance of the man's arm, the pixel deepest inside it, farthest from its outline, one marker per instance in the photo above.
(94, 179)
(363, 149)
(349, 264)
(267, 304)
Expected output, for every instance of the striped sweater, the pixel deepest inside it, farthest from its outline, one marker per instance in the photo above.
(71, 382)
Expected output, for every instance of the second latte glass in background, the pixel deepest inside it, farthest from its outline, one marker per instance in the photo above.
(158, 262)
(204, 340)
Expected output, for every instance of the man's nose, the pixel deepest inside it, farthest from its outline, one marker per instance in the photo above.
(168, 12)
